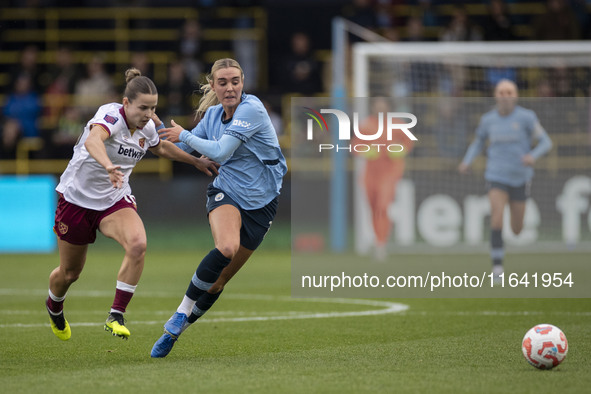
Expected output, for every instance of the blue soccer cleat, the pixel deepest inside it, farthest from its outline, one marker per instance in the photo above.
(176, 324)
(172, 329)
(163, 346)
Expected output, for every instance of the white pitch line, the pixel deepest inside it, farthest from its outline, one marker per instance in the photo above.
(384, 308)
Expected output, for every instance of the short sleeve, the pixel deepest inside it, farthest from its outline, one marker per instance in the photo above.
(246, 121)
(151, 134)
(107, 121)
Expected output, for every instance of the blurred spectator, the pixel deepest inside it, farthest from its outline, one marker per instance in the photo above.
(383, 14)
(246, 51)
(423, 74)
(178, 91)
(28, 65)
(386, 15)
(362, 12)
(190, 48)
(141, 61)
(415, 31)
(275, 118)
(544, 89)
(562, 81)
(498, 25)
(62, 75)
(21, 111)
(579, 8)
(303, 71)
(94, 90)
(68, 130)
(460, 28)
(391, 33)
(557, 23)
(428, 14)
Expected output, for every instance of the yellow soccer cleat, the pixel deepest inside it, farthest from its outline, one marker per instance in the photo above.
(60, 320)
(116, 325)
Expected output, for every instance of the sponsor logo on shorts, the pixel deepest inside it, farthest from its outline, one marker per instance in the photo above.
(219, 197)
(62, 228)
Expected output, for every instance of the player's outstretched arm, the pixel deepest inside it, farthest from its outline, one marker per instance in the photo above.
(215, 150)
(168, 150)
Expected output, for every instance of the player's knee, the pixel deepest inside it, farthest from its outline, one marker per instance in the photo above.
(71, 276)
(136, 248)
(228, 249)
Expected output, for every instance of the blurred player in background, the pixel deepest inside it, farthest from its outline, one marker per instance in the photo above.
(236, 132)
(94, 193)
(510, 131)
(383, 171)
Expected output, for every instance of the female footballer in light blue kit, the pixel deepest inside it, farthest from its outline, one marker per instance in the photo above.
(237, 133)
(510, 130)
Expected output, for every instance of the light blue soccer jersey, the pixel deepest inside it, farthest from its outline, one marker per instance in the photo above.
(252, 176)
(510, 138)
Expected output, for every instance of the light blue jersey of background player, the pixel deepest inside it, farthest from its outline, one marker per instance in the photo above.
(246, 147)
(510, 138)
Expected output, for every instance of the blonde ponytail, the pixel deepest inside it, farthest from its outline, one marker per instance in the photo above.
(208, 99)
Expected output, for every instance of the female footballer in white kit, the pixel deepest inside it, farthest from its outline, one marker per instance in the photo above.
(94, 194)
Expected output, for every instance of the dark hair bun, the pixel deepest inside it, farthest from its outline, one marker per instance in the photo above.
(131, 74)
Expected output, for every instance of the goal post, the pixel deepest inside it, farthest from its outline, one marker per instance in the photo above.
(531, 58)
(448, 86)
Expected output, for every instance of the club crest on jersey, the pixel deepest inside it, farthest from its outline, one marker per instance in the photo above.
(142, 142)
(219, 196)
(110, 119)
(62, 228)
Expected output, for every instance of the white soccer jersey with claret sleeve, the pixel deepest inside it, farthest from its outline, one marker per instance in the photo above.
(85, 182)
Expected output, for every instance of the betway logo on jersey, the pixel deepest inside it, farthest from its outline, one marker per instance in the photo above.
(130, 152)
(391, 121)
(241, 123)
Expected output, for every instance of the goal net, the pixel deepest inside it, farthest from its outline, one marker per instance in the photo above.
(448, 86)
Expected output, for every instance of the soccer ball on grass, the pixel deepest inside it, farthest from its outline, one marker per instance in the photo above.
(544, 346)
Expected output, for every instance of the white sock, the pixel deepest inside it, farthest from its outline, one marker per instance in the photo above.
(56, 298)
(126, 287)
(186, 306)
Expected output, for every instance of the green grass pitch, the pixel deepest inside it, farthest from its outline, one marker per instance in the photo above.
(257, 339)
